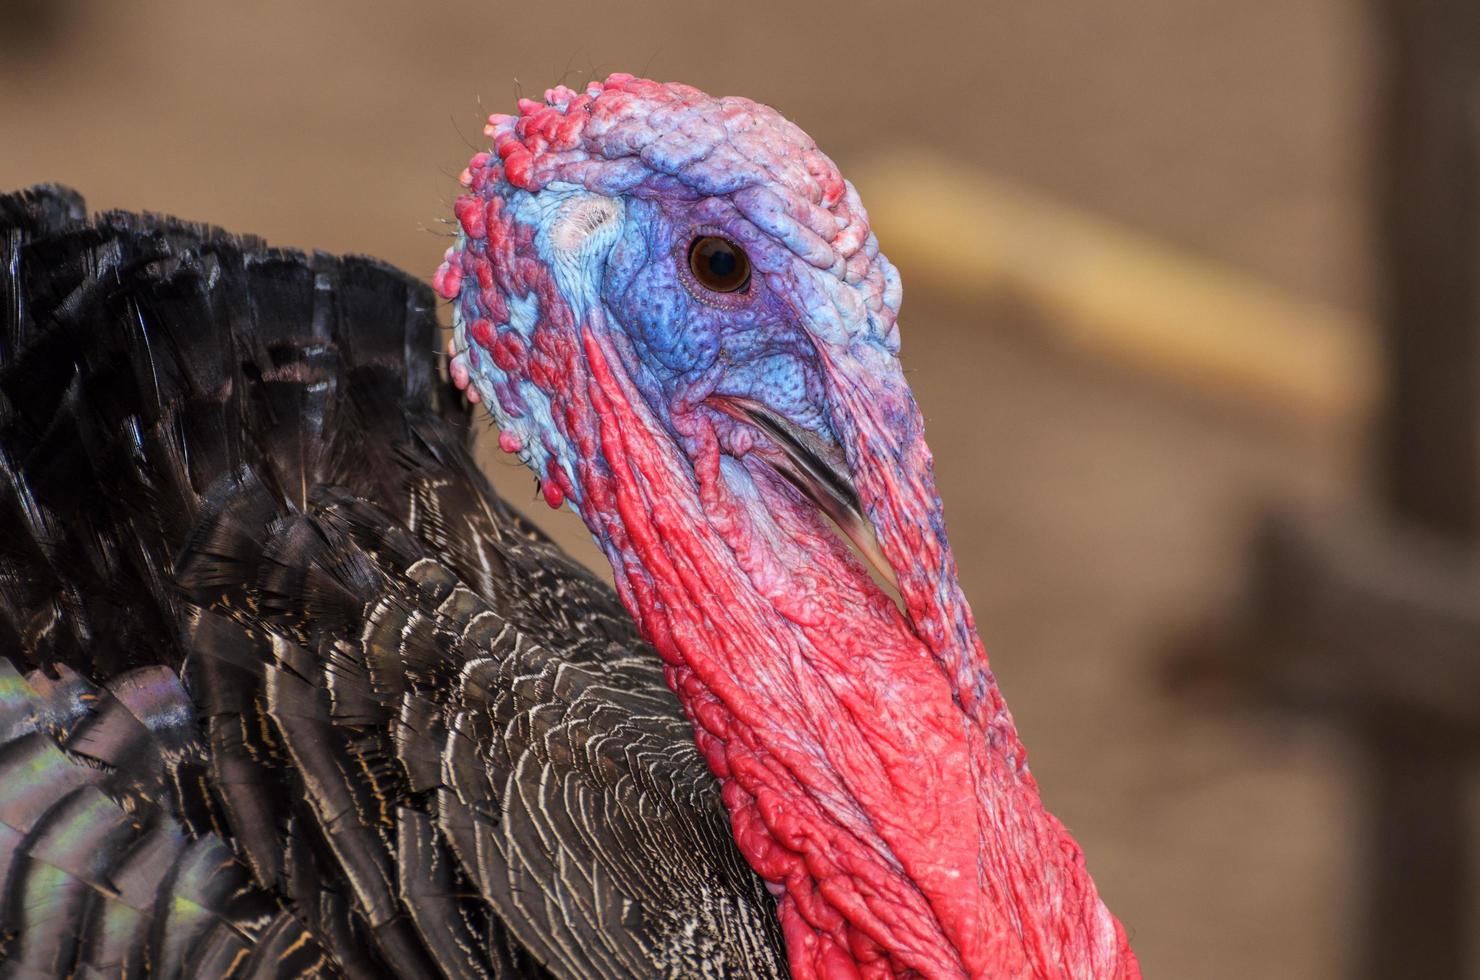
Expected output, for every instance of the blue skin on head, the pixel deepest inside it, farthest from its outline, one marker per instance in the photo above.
(622, 262)
(691, 342)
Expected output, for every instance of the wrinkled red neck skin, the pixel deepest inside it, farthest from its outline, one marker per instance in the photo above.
(901, 832)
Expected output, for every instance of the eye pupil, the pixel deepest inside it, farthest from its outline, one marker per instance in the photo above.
(722, 264)
(719, 264)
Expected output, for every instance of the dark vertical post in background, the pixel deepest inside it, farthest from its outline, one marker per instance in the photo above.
(1429, 225)
(1429, 465)
(1419, 903)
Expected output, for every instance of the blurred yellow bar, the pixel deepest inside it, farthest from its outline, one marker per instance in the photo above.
(1117, 293)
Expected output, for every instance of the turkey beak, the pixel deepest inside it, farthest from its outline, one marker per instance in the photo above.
(817, 469)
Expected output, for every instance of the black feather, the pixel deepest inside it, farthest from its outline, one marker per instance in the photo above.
(285, 689)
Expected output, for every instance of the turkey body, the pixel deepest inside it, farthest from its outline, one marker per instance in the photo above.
(285, 689)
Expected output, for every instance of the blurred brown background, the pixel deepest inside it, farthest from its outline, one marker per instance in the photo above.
(1102, 484)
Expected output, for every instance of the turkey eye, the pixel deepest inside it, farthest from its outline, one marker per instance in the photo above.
(719, 264)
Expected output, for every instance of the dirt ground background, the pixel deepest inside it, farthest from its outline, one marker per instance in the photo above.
(1096, 514)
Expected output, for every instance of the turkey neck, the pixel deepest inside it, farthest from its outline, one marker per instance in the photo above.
(885, 801)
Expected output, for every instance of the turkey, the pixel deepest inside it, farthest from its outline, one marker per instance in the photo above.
(287, 690)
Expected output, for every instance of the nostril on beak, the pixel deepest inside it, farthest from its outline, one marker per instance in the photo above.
(819, 472)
